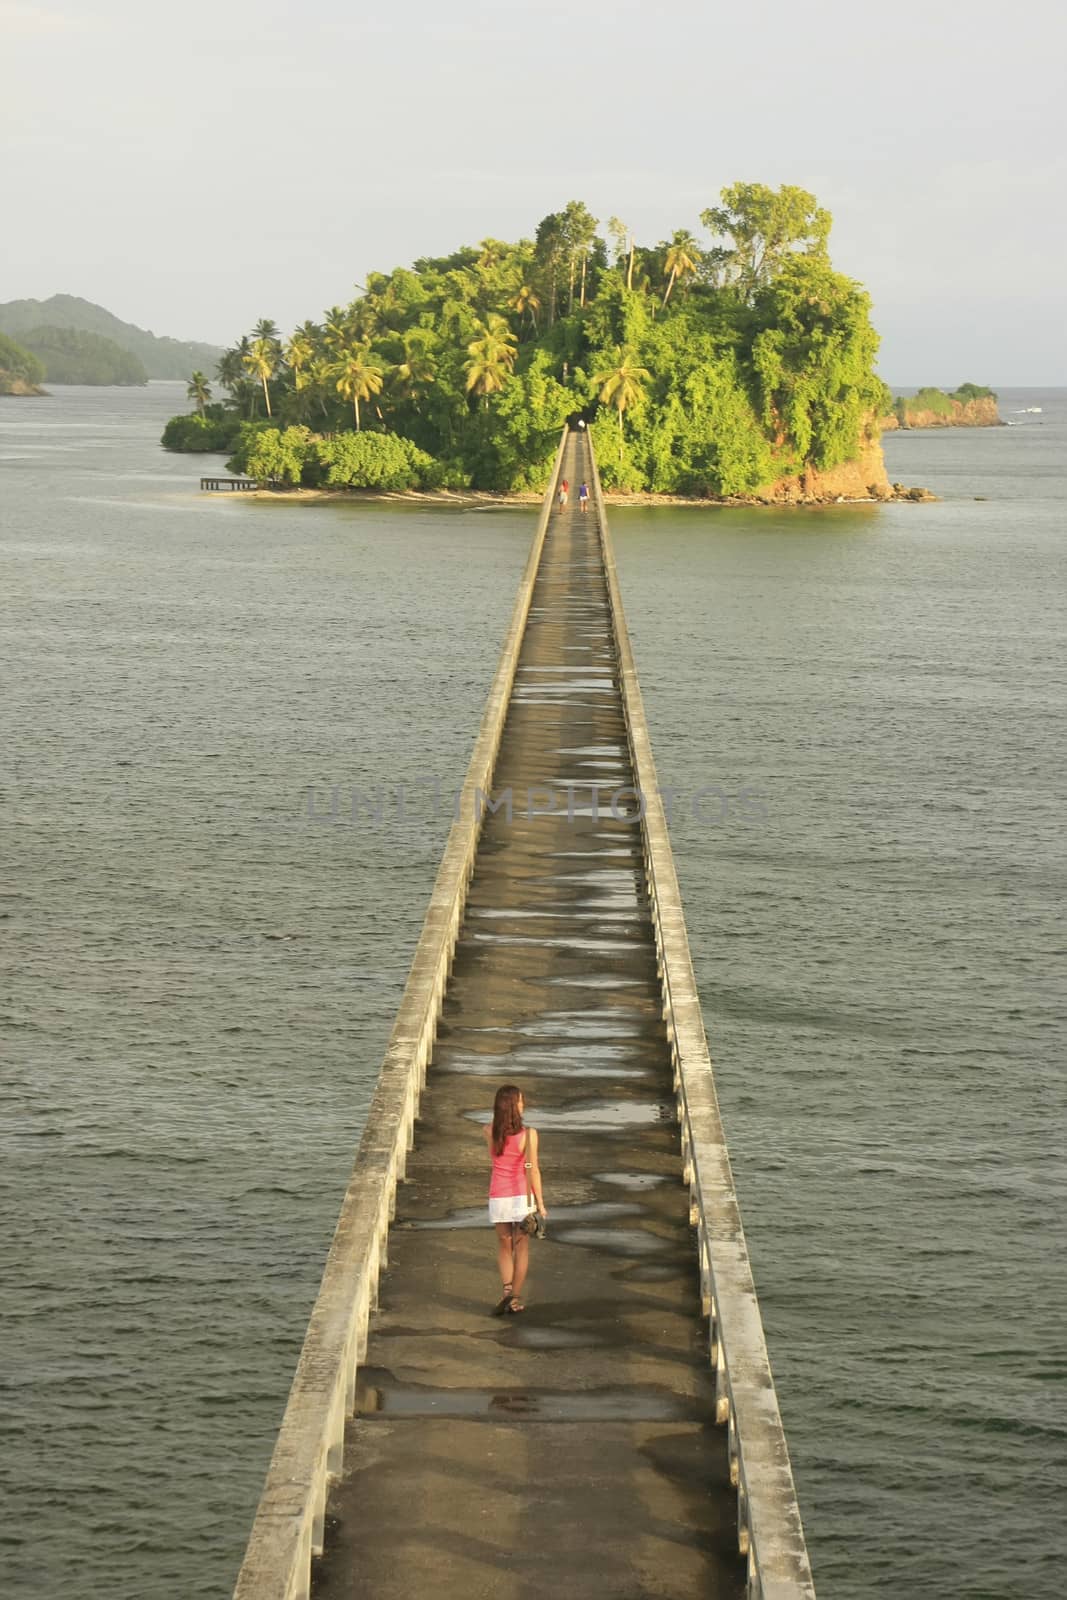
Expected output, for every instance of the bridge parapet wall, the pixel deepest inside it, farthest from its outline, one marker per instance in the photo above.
(770, 1531)
(308, 1455)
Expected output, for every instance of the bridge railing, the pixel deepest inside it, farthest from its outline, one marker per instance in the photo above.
(770, 1532)
(308, 1454)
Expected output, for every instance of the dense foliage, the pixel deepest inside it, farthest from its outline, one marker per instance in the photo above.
(215, 430)
(973, 391)
(161, 357)
(70, 356)
(702, 369)
(17, 363)
(364, 460)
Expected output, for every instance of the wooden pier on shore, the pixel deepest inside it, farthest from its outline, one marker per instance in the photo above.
(221, 485)
(620, 1439)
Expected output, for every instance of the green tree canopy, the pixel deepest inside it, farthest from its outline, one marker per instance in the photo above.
(764, 226)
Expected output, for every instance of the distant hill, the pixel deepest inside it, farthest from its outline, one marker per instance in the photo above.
(160, 357)
(70, 356)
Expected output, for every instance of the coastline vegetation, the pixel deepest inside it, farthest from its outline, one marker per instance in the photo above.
(20, 370)
(702, 368)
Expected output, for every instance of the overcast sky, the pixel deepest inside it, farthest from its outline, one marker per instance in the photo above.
(195, 165)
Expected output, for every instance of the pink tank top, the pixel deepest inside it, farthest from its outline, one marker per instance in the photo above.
(509, 1168)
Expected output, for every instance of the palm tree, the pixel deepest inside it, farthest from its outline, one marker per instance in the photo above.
(683, 252)
(320, 376)
(260, 362)
(363, 319)
(621, 386)
(336, 333)
(499, 339)
(199, 390)
(485, 374)
(527, 301)
(230, 370)
(265, 328)
(410, 376)
(298, 352)
(493, 252)
(233, 375)
(492, 358)
(358, 378)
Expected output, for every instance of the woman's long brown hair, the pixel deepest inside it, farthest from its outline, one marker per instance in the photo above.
(507, 1117)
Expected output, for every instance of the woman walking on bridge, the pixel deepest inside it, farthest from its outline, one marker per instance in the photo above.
(514, 1191)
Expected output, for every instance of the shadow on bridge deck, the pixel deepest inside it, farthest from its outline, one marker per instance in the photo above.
(570, 1450)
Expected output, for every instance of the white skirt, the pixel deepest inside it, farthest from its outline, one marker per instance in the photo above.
(509, 1208)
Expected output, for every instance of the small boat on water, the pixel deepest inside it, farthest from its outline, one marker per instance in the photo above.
(1028, 411)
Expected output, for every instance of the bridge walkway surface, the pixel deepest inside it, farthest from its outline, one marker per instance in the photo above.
(572, 1450)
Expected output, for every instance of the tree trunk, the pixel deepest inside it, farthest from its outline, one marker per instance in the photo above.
(266, 395)
(570, 301)
(670, 286)
(630, 267)
(581, 300)
(355, 402)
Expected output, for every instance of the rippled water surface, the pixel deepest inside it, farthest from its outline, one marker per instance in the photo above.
(860, 711)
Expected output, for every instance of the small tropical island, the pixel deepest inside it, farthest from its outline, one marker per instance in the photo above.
(739, 369)
(970, 406)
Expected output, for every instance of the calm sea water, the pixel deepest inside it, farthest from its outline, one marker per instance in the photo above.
(204, 976)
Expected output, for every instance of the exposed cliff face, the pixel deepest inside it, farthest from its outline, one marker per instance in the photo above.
(972, 414)
(862, 479)
(11, 383)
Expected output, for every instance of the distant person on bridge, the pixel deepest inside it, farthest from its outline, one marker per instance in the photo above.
(514, 1188)
(563, 488)
(583, 497)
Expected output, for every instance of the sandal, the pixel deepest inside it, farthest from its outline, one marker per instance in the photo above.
(514, 1306)
(504, 1304)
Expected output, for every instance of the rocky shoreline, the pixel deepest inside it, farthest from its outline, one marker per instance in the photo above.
(981, 413)
(863, 481)
(485, 500)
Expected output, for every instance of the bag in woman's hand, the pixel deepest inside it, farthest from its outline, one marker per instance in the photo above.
(533, 1223)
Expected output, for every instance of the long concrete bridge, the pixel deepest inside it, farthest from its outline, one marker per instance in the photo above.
(621, 1438)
